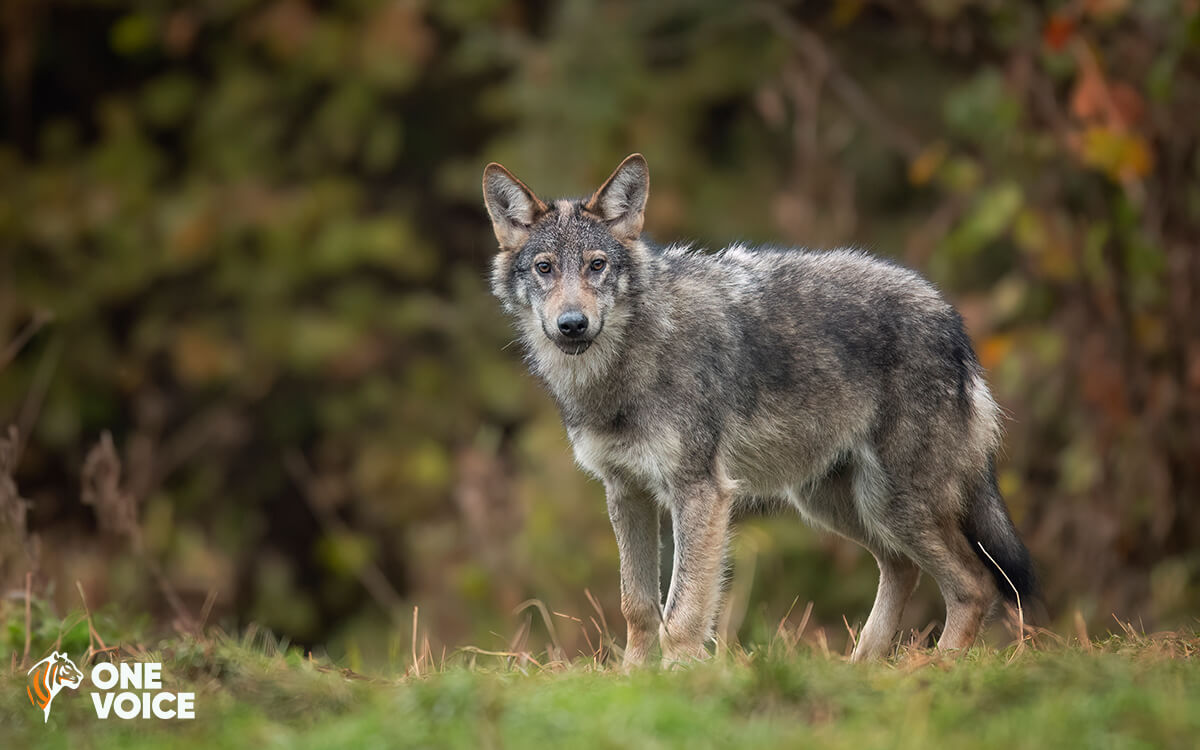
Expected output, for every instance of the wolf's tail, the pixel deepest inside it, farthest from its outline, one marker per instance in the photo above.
(987, 522)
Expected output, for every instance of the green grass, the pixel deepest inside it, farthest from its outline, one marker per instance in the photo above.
(1129, 691)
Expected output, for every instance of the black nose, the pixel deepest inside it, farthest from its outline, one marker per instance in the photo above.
(572, 324)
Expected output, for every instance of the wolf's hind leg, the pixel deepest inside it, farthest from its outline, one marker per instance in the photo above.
(897, 579)
(634, 517)
(966, 609)
(965, 583)
(700, 517)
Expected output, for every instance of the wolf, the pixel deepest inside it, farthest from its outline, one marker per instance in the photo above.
(696, 383)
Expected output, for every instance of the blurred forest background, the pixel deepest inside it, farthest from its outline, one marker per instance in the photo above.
(254, 373)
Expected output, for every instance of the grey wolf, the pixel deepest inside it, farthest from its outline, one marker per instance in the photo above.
(695, 383)
(48, 677)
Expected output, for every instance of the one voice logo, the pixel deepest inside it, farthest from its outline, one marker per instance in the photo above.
(129, 690)
(48, 677)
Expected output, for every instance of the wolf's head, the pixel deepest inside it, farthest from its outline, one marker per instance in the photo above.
(563, 266)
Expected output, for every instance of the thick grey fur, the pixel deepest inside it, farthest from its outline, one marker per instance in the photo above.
(833, 381)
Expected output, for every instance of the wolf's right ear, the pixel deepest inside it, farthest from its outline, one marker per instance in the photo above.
(513, 206)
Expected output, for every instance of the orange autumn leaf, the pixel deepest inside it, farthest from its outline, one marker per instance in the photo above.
(1120, 155)
(1058, 31)
(994, 350)
(1117, 104)
(1090, 97)
(922, 168)
(1127, 103)
(1096, 98)
(200, 357)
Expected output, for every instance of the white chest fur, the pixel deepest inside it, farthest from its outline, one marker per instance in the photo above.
(652, 457)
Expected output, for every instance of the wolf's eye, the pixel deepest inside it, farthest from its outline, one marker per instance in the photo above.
(598, 264)
(542, 266)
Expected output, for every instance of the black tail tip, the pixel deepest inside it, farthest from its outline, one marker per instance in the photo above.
(994, 538)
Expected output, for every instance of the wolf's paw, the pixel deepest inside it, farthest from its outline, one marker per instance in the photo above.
(634, 659)
(678, 654)
(684, 661)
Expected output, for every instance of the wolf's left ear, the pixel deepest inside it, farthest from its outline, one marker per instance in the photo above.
(621, 200)
(513, 207)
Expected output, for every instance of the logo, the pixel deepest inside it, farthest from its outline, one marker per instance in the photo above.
(128, 704)
(129, 690)
(48, 677)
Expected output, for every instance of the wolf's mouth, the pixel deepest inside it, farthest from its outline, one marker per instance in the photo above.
(573, 348)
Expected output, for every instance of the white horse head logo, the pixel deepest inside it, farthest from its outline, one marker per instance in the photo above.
(48, 677)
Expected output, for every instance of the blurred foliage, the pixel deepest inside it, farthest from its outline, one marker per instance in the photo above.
(246, 237)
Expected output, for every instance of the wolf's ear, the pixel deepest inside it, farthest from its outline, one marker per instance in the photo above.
(621, 200)
(513, 207)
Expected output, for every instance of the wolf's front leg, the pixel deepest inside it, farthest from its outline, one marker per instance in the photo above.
(634, 516)
(701, 524)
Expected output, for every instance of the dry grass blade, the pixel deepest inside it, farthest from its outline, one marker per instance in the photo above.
(783, 621)
(804, 618)
(485, 652)
(853, 639)
(1081, 631)
(416, 663)
(1017, 594)
(93, 635)
(559, 654)
(595, 651)
(921, 638)
(206, 610)
(599, 610)
(1126, 627)
(40, 319)
(519, 646)
(822, 642)
(594, 648)
(427, 653)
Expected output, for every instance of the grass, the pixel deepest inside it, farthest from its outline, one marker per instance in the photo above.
(1129, 690)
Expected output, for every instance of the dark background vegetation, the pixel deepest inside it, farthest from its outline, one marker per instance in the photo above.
(246, 239)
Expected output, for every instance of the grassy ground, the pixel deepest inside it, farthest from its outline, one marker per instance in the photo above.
(1129, 691)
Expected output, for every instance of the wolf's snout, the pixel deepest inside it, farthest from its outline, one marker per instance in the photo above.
(572, 324)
